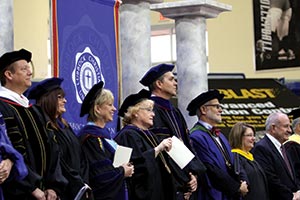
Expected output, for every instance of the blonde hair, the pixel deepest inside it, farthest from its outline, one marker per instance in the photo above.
(132, 110)
(105, 96)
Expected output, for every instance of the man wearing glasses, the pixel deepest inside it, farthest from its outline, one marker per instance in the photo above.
(213, 149)
(26, 130)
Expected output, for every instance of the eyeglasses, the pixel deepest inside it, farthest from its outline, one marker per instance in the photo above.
(60, 97)
(147, 109)
(217, 106)
(249, 135)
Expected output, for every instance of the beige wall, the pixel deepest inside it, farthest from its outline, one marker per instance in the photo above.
(231, 43)
(31, 31)
(230, 38)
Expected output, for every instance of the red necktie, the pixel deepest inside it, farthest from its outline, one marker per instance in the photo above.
(286, 160)
(215, 131)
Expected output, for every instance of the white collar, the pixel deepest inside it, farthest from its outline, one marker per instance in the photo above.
(275, 142)
(205, 124)
(13, 96)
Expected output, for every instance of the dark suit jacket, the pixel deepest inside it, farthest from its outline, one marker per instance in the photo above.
(293, 150)
(281, 183)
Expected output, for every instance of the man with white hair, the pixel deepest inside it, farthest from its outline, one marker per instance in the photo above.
(270, 153)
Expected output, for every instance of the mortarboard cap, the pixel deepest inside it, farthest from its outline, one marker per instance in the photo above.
(132, 100)
(202, 99)
(10, 57)
(43, 87)
(155, 72)
(90, 97)
(295, 113)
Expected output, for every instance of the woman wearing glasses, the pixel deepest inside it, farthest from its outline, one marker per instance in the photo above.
(152, 177)
(106, 181)
(50, 97)
(242, 139)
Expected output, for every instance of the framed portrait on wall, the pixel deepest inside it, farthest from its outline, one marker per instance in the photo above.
(277, 33)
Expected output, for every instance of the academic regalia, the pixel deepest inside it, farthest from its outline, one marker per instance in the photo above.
(26, 130)
(293, 150)
(155, 72)
(73, 162)
(292, 146)
(168, 122)
(258, 184)
(220, 182)
(106, 181)
(151, 179)
(19, 169)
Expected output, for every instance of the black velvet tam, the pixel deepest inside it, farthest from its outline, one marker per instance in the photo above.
(10, 57)
(44, 87)
(155, 72)
(90, 97)
(132, 100)
(202, 99)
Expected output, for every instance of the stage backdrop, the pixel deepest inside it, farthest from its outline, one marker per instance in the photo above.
(252, 100)
(85, 51)
(277, 33)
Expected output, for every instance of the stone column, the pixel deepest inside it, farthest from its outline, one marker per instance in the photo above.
(190, 27)
(135, 35)
(6, 26)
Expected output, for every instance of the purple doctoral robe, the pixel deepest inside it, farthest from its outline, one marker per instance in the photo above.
(19, 170)
(219, 182)
(106, 181)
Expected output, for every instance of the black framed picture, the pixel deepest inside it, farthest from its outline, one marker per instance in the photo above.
(277, 33)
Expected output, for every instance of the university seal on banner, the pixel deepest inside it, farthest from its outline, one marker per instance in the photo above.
(87, 72)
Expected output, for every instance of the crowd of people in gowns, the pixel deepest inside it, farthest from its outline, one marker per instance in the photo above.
(42, 157)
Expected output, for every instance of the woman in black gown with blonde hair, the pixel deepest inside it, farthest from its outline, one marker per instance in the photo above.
(152, 177)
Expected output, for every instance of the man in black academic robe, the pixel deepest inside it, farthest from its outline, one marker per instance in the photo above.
(26, 130)
(169, 121)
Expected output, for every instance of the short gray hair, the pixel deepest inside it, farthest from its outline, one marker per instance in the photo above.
(272, 119)
(295, 123)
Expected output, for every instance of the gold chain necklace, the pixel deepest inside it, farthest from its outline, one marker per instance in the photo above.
(154, 144)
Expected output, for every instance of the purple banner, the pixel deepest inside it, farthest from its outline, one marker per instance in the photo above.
(85, 43)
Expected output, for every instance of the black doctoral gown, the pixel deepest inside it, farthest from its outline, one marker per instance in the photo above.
(258, 183)
(151, 179)
(106, 181)
(73, 161)
(168, 122)
(293, 150)
(27, 132)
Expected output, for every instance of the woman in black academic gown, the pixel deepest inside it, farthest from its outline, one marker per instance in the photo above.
(241, 139)
(106, 181)
(152, 177)
(51, 98)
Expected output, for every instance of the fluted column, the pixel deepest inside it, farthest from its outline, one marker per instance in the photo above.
(6, 26)
(135, 34)
(190, 27)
